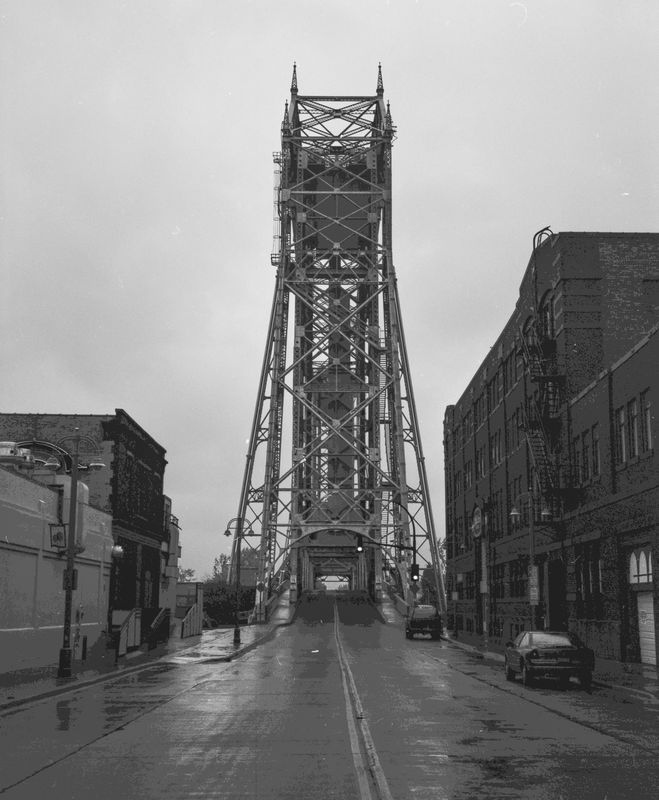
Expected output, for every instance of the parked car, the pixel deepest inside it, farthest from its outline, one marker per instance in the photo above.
(423, 619)
(551, 654)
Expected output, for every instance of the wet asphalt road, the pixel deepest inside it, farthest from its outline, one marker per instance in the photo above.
(327, 709)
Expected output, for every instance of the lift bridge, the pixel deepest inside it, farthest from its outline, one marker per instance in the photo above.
(335, 482)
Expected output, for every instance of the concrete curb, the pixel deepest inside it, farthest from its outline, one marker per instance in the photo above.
(500, 658)
(106, 677)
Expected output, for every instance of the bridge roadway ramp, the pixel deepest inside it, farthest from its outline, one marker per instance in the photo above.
(353, 608)
(212, 645)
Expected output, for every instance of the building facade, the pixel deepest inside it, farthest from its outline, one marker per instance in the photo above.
(32, 564)
(551, 481)
(129, 487)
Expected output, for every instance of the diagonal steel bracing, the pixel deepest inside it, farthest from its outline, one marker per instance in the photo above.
(335, 450)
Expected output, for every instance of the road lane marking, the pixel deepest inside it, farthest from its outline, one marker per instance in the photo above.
(353, 702)
(360, 767)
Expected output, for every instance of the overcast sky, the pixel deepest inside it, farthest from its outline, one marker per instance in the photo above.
(136, 141)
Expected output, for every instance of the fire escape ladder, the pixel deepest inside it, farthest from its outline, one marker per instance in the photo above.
(541, 412)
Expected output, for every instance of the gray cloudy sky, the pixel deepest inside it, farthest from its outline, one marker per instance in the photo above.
(136, 143)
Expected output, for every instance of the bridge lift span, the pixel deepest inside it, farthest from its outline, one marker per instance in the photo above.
(335, 391)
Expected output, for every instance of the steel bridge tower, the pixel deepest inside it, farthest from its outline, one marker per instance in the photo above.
(335, 481)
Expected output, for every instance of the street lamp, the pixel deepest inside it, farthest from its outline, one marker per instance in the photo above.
(545, 516)
(238, 538)
(480, 532)
(70, 573)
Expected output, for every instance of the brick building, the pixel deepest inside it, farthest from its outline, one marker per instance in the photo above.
(129, 487)
(552, 487)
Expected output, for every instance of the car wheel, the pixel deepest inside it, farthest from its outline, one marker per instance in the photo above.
(510, 674)
(564, 681)
(526, 675)
(409, 635)
(586, 680)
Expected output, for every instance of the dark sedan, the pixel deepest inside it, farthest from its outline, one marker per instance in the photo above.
(551, 654)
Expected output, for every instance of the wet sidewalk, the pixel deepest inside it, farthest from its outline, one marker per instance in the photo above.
(215, 645)
(639, 679)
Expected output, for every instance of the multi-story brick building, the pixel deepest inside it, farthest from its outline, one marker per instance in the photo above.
(129, 487)
(552, 488)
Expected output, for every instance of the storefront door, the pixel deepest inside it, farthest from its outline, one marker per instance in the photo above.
(646, 628)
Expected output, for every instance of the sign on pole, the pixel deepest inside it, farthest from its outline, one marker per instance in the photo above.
(533, 585)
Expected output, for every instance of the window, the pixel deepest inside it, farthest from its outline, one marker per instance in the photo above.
(576, 455)
(646, 422)
(469, 475)
(518, 425)
(588, 577)
(586, 459)
(469, 585)
(499, 385)
(491, 395)
(495, 516)
(481, 466)
(640, 566)
(495, 448)
(547, 319)
(479, 411)
(517, 579)
(509, 367)
(460, 533)
(499, 581)
(632, 428)
(620, 425)
(595, 431)
(467, 425)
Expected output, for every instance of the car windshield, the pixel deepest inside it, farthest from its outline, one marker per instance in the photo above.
(422, 612)
(554, 640)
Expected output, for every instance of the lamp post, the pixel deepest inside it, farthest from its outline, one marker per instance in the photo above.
(236, 566)
(59, 460)
(481, 534)
(66, 652)
(70, 573)
(515, 516)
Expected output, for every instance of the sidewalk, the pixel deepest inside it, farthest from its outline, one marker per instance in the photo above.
(214, 645)
(640, 679)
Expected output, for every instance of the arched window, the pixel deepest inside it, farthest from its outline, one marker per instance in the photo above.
(640, 566)
(633, 568)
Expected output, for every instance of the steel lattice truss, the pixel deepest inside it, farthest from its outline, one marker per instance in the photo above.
(335, 358)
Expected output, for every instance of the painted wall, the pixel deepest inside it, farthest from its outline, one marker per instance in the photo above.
(31, 574)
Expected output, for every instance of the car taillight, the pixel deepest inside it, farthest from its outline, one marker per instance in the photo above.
(533, 654)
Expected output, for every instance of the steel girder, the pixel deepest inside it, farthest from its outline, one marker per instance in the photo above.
(339, 362)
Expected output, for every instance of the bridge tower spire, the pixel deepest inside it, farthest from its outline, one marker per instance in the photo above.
(335, 480)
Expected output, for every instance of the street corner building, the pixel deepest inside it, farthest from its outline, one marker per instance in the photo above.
(552, 485)
(126, 538)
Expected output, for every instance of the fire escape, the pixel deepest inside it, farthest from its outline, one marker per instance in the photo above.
(542, 421)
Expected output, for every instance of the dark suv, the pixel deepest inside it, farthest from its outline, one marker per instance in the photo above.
(423, 619)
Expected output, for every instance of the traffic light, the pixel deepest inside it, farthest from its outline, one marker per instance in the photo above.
(414, 572)
(360, 543)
